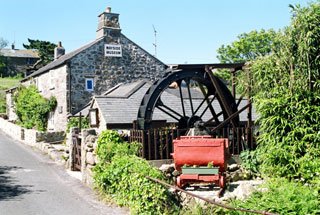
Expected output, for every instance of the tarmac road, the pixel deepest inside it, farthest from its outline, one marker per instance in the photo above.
(30, 183)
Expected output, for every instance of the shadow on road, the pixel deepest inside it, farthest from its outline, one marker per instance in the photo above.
(9, 189)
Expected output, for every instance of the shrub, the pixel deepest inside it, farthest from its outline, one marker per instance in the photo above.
(289, 139)
(249, 161)
(32, 109)
(121, 174)
(74, 122)
(282, 197)
(124, 179)
(111, 143)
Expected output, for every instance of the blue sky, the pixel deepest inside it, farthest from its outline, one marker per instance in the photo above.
(187, 31)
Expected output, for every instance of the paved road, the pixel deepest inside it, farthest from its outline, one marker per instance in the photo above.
(30, 183)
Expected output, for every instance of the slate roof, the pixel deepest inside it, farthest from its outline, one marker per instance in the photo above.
(25, 53)
(121, 105)
(64, 58)
(61, 60)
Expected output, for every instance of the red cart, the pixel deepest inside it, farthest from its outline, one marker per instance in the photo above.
(200, 159)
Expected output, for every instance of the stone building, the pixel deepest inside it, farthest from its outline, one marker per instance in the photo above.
(75, 77)
(17, 61)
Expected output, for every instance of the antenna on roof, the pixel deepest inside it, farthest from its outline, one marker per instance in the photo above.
(155, 41)
(14, 41)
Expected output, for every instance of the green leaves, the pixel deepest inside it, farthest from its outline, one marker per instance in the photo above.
(32, 109)
(286, 95)
(248, 46)
(121, 174)
(74, 122)
(283, 197)
(45, 48)
(289, 140)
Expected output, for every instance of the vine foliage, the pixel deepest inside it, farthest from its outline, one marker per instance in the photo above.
(32, 108)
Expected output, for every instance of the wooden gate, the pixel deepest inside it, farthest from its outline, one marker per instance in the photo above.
(76, 141)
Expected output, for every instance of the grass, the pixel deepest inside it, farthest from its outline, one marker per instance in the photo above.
(6, 83)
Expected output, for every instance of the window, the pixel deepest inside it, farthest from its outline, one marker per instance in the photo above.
(89, 84)
(51, 74)
(51, 120)
(38, 84)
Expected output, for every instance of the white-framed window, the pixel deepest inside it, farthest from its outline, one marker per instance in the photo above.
(89, 84)
(38, 84)
(51, 74)
(51, 120)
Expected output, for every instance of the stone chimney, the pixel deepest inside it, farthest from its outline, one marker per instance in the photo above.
(59, 51)
(108, 26)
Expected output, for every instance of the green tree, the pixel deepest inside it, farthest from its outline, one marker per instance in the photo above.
(46, 51)
(3, 43)
(287, 97)
(248, 46)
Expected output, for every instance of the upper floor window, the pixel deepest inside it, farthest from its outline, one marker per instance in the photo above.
(89, 84)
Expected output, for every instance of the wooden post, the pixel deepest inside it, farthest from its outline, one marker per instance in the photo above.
(249, 115)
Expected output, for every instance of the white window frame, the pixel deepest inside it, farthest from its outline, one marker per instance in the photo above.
(89, 89)
(51, 120)
(51, 77)
(38, 84)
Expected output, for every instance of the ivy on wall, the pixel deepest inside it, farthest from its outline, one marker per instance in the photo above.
(32, 108)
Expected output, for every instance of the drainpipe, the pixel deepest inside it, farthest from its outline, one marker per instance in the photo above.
(69, 87)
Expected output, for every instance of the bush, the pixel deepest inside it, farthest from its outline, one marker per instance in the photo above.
(32, 109)
(249, 161)
(74, 122)
(283, 197)
(121, 174)
(124, 179)
(111, 143)
(289, 140)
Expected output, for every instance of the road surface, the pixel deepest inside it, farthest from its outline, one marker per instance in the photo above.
(30, 183)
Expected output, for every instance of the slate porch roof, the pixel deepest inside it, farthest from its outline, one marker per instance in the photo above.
(121, 104)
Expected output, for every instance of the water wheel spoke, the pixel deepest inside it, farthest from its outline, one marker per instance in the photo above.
(168, 113)
(181, 99)
(215, 118)
(164, 108)
(189, 95)
(202, 102)
(209, 106)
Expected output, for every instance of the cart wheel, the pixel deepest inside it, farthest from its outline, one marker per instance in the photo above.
(222, 181)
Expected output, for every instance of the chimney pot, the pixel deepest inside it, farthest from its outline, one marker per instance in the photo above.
(108, 10)
(59, 51)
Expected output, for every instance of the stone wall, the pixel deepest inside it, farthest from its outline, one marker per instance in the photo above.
(12, 116)
(88, 156)
(29, 136)
(54, 83)
(135, 64)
